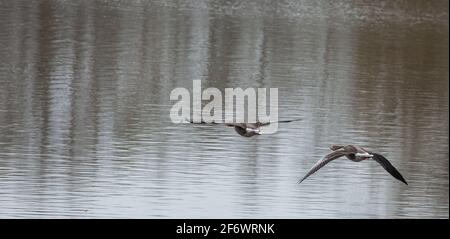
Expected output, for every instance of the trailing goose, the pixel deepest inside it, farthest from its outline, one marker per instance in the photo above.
(247, 129)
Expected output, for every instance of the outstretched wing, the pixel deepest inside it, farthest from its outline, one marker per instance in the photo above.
(280, 121)
(388, 167)
(202, 122)
(239, 125)
(322, 162)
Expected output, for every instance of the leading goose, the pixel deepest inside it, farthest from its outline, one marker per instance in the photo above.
(356, 154)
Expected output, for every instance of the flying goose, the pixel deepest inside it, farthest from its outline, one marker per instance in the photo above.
(356, 154)
(247, 129)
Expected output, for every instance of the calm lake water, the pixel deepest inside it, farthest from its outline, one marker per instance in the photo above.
(85, 130)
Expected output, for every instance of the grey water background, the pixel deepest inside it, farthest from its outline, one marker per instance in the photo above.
(84, 108)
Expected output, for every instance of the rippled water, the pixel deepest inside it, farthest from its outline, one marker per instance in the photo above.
(84, 108)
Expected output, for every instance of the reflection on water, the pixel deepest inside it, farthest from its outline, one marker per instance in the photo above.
(84, 108)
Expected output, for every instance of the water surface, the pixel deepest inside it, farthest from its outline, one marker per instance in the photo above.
(84, 108)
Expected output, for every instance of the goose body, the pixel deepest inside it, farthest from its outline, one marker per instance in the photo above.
(247, 129)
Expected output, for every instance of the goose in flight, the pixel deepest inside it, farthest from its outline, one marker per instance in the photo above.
(247, 129)
(356, 154)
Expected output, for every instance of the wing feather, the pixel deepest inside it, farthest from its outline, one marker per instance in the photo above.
(322, 162)
(280, 121)
(388, 167)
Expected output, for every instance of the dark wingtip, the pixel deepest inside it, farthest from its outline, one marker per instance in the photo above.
(289, 121)
(389, 167)
(301, 180)
(398, 176)
(404, 181)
